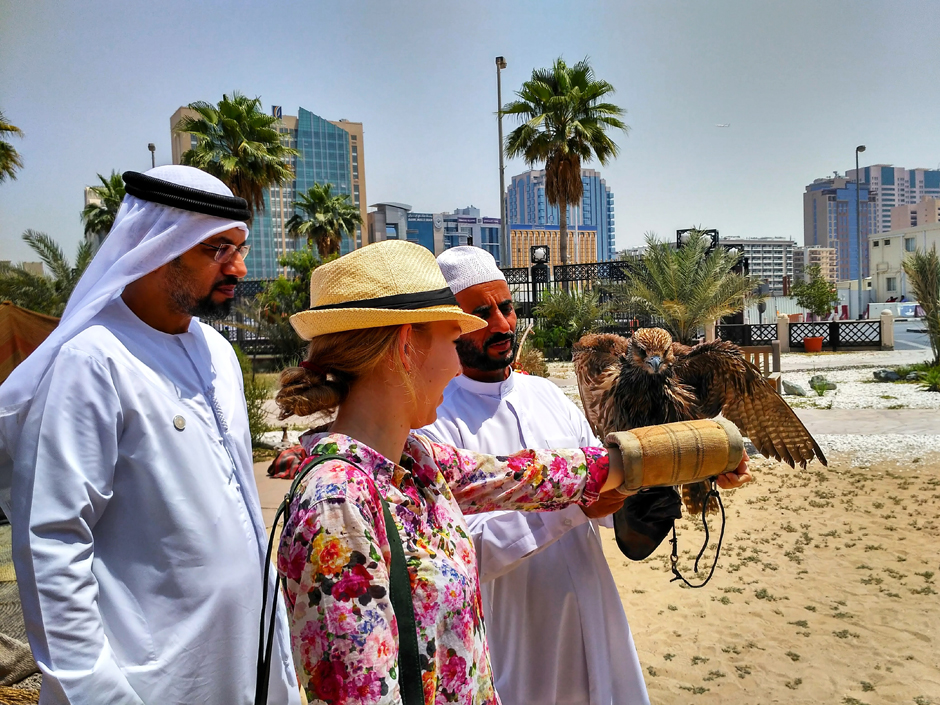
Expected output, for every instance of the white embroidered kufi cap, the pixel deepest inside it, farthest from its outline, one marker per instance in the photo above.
(467, 266)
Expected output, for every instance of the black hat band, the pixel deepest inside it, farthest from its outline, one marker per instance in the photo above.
(185, 198)
(417, 300)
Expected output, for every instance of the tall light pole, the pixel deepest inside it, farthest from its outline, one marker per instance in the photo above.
(858, 227)
(505, 256)
(153, 156)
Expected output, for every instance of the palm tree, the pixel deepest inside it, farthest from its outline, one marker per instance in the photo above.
(685, 287)
(237, 143)
(565, 123)
(10, 159)
(323, 218)
(44, 293)
(99, 216)
(923, 273)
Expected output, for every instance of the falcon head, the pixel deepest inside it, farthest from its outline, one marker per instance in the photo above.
(650, 349)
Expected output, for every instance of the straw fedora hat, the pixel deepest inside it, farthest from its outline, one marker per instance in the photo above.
(388, 283)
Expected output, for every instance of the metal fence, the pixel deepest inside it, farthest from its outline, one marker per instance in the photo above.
(238, 327)
(838, 334)
(748, 333)
(527, 285)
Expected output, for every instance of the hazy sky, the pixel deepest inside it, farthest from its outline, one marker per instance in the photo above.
(801, 83)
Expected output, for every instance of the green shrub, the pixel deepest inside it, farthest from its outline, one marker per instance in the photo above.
(256, 393)
(931, 380)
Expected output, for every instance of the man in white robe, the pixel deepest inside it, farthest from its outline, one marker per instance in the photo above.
(138, 537)
(556, 627)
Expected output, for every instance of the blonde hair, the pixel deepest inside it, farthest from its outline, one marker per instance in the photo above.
(339, 359)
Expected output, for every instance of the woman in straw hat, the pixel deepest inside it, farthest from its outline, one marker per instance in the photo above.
(375, 534)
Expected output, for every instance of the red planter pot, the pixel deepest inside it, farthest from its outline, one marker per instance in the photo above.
(813, 344)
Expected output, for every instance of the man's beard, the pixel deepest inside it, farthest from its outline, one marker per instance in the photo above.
(189, 302)
(477, 359)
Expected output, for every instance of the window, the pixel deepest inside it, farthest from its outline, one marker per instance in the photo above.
(875, 243)
(887, 242)
(910, 244)
(891, 283)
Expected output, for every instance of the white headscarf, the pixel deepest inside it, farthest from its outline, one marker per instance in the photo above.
(145, 236)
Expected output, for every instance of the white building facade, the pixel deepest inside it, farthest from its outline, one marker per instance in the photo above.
(888, 251)
(769, 259)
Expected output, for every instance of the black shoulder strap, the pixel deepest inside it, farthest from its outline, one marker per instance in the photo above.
(409, 665)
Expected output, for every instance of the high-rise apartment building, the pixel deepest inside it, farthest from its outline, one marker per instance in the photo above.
(910, 216)
(330, 152)
(526, 205)
(892, 186)
(829, 221)
(806, 257)
(769, 259)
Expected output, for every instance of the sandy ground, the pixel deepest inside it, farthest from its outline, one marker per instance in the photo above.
(826, 592)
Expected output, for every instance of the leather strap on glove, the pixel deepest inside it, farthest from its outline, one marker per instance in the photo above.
(676, 453)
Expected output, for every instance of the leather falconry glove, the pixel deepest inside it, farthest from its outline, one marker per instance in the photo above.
(676, 453)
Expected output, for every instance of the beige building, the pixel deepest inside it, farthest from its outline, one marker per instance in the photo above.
(31, 267)
(582, 245)
(889, 249)
(331, 151)
(806, 257)
(924, 212)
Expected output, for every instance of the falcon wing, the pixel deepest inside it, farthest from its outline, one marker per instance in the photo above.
(596, 360)
(726, 383)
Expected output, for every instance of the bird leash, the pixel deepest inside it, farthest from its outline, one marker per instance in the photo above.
(409, 664)
(712, 492)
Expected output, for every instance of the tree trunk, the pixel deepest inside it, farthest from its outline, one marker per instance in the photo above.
(563, 231)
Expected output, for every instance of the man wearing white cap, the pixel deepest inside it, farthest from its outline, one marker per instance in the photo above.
(126, 468)
(555, 624)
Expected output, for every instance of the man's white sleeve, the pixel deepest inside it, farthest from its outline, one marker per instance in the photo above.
(504, 539)
(63, 479)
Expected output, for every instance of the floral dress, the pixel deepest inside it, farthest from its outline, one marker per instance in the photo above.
(334, 556)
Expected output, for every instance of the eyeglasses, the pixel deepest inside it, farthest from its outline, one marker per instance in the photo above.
(225, 253)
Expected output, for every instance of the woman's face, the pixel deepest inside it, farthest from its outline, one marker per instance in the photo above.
(436, 364)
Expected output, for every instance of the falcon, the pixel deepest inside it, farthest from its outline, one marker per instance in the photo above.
(648, 379)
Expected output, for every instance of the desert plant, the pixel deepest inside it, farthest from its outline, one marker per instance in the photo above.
(930, 382)
(268, 315)
(256, 393)
(530, 359)
(575, 313)
(565, 123)
(818, 295)
(923, 274)
(686, 287)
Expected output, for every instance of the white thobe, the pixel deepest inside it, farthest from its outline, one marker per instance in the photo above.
(138, 536)
(556, 627)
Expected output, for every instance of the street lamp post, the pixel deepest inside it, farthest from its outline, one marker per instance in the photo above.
(153, 157)
(858, 227)
(505, 258)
